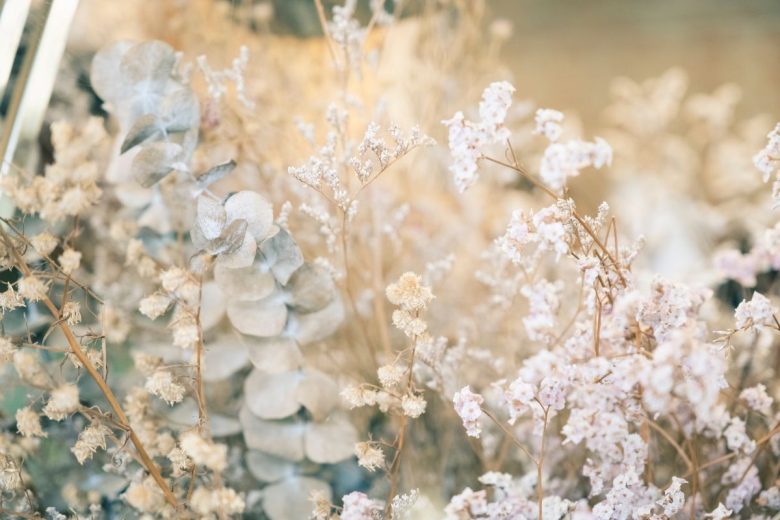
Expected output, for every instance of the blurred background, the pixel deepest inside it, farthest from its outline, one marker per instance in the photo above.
(565, 53)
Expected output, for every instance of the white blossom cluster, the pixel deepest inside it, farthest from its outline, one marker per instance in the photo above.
(768, 160)
(468, 140)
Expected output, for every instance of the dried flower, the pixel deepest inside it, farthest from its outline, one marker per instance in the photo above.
(161, 383)
(754, 314)
(357, 506)
(203, 452)
(468, 407)
(69, 260)
(467, 140)
(71, 312)
(369, 455)
(32, 288)
(28, 422)
(145, 496)
(413, 405)
(64, 401)
(548, 123)
(409, 293)
(44, 243)
(155, 305)
(92, 438)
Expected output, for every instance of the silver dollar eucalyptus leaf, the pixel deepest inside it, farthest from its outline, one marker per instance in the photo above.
(180, 111)
(210, 219)
(314, 326)
(272, 396)
(311, 288)
(280, 395)
(277, 354)
(215, 173)
(289, 498)
(148, 64)
(264, 318)
(145, 127)
(279, 438)
(185, 416)
(154, 162)
(241, 256)
(223, 357)
(104, 73)
(282, 254)
(253, 208)
(246, 284)
(318, 393)
(212, 305)
(267, 468)
(330, 441)
(232, 239)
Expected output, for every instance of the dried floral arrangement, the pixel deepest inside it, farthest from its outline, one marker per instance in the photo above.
(215, 308)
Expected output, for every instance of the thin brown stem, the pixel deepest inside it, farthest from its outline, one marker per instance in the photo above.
(147, 461)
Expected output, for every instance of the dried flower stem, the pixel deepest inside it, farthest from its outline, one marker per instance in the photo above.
(540, 462)
(395, 467)
(577, 217)
(655, 426)
(511, 435)
(146, 460)
(326, 32)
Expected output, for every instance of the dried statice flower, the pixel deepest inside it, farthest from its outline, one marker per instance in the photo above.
(469, 409)
(543, 304)
(719, 513)
(217, 80)
(357, 506)
(468, 503)
(564, 160)
(10, 300)
(757, 399)
(754, 314)
(768, 159)
(347, 33)
(28, 422)
(401, 505)
(673, 499)
(548, 123)
(321, 505)
(468, 140)
(548, 229)
(519, 396)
